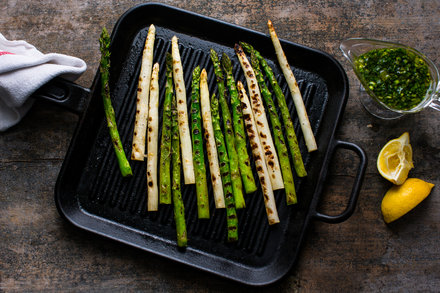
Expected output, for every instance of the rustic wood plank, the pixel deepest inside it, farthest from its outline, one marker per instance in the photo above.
(40, 251)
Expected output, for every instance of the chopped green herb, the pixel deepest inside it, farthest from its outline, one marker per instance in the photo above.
(398, 77)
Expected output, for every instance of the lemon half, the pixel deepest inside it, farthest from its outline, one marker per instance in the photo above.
(400, 199)
(395, 159)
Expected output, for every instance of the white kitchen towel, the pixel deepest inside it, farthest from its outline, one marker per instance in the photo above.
(24, 69)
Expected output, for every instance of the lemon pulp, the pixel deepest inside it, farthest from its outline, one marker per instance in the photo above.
(395, 159)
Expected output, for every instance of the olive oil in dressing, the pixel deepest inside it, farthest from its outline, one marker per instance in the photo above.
(398, 78)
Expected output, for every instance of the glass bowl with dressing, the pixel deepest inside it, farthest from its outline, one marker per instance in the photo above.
(395, 79)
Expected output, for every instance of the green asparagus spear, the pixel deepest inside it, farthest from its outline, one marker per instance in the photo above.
(179, 209)
(280, 144)
(230, 139)
(197, 148)
(240, 137)
(231, 213)
(165, 146)
(104, 42)
(288, 124)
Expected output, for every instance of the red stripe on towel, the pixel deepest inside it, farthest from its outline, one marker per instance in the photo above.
(4, 53)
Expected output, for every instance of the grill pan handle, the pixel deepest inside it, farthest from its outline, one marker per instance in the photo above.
(64, 93)
(356, 185)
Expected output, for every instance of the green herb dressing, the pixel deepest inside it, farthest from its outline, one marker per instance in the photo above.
(398, 77)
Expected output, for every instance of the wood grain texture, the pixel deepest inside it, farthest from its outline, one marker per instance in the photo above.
(40, 251)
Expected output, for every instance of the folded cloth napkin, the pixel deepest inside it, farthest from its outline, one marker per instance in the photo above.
(24, 69)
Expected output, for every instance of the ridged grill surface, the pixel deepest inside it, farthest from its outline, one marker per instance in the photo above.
(104, 193)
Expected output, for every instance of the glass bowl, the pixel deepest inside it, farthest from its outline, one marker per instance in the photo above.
(354, 47)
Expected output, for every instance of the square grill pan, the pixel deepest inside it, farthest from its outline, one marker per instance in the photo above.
(91, 194)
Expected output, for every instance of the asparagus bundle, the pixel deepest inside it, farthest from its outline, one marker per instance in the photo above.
(288, 124)
(231, 213)
(153, 133)
(258, 154)
(294, 90)
(230, 139)
(143, 92)
(104, 67)
(179, 209)
(271, 157)
(210, 143)
(185, 137)
(240, 139)
(197, 148)
(165, 146)
(280, 144)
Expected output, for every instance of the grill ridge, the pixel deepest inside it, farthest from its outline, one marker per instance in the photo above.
(129, 196)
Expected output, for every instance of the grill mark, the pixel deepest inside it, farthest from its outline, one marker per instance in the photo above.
(201, 226)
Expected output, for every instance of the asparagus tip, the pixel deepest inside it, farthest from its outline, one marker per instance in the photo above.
(213, 53)
(247, 47)
(226, 63)
(196, 72)
(254, 61)
(104, 31)
(169, 60)
(104, 39)
(238, 48)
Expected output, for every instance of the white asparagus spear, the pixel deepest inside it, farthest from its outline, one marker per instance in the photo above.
(294, 91)
(153, 135)
(211, 148)
(271, 157)
(258, 154)
(182, 113)
(143, 92)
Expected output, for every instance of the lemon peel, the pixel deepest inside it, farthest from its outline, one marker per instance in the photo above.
(395, 159)
(400, 199)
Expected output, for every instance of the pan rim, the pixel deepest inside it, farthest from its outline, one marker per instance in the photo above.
(67, 214)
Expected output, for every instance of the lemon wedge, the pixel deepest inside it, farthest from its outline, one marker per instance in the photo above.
(400, 199)
(395, 159)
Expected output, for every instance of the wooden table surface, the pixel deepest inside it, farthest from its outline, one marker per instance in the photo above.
(40, 251)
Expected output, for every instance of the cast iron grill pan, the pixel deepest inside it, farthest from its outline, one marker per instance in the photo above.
(91, 193)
